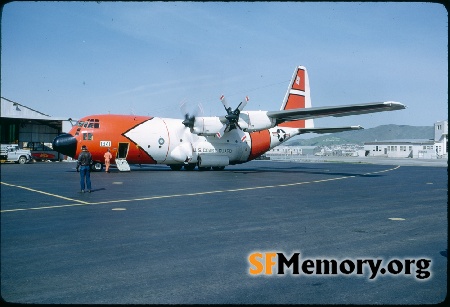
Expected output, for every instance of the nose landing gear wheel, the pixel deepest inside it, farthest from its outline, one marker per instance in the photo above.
(97, 167)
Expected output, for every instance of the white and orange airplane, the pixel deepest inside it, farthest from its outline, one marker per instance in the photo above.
(206, 142)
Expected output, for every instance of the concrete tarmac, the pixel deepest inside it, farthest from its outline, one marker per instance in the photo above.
(154, 235)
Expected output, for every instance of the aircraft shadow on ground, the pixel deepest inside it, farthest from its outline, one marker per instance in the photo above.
(288, 170)
(306, 172)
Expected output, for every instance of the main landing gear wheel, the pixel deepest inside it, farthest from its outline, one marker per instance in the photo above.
(218, 168)
(176, 167)
(190, 166)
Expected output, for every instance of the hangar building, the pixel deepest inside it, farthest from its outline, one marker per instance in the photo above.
(31, 129)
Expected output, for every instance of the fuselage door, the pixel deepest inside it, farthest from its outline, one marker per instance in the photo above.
(123, 150)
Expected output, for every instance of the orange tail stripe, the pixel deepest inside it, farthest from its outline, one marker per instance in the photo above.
(295, 102)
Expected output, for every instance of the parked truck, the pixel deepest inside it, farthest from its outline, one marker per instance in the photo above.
(12, 153)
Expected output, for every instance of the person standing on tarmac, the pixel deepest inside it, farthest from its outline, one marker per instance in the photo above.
(108, 157)
(84, 167)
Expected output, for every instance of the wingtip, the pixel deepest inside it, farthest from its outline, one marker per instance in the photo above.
(358, 127)
(396, 105)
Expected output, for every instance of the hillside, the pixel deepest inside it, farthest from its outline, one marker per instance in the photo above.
(380, 133)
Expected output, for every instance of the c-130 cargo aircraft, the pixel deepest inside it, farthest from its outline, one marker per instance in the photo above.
(210, 142)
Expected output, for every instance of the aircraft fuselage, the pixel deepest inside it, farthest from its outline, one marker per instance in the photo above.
(155, 140)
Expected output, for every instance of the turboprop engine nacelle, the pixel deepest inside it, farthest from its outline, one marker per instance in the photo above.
(248, 121)
(207, 125)
(255, 121)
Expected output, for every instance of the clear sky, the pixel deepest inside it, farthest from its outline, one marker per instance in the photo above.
(71, 59)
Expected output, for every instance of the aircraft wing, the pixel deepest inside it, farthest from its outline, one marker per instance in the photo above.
(329, 130)
(335, 111)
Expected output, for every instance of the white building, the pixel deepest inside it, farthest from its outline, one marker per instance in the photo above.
(344, 150)
(282, 151)
(287, 152)
(441, 137)
(401, 149)
(420, 149)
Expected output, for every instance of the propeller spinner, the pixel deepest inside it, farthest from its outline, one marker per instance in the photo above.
(189, 121)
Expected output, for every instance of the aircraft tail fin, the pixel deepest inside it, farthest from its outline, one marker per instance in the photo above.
(298, 96)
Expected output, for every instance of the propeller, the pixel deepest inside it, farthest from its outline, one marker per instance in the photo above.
(189, 120)
(232, 118)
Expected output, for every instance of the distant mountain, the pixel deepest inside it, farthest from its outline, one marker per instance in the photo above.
(380, 133)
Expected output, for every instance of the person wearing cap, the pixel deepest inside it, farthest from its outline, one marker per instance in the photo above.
(84, 167)
(108, 157)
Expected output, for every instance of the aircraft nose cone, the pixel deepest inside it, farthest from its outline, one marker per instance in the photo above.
(65, 144)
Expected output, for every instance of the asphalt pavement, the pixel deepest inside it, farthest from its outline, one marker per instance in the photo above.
(154, 235)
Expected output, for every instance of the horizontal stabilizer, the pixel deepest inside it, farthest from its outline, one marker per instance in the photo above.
(329, 130)
(335, 111)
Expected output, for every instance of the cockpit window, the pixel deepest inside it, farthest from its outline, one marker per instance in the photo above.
(90, 123)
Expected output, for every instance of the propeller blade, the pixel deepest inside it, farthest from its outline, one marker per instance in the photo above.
(221, 131)
(237, 125)
(242, 134)
(200, 110)
(225, 104)
(242, 105)
(183, 107)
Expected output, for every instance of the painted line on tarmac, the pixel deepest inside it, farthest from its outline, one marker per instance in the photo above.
(42, 208)
(82, 203)
(45, 193)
